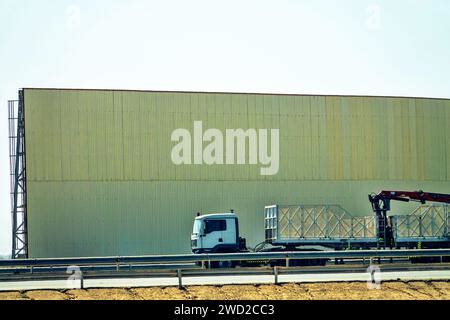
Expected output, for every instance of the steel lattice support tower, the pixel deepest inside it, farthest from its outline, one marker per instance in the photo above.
(18, 177)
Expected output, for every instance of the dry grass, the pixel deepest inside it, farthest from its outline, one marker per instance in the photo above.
(412, 290)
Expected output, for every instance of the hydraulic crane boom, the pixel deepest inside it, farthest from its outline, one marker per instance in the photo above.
(381, 204)
(406, 196)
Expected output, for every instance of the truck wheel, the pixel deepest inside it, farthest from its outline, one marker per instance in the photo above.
(219, 264)
(277, 263)
(225, 264)
(213, 265)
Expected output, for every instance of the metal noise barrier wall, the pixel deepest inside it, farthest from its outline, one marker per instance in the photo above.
(315, 222)
(426, 221)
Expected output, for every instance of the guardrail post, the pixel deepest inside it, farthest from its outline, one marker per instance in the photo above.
(275, 273)
(287, 262)
(31, 269)
(81, 280)
(180, 284)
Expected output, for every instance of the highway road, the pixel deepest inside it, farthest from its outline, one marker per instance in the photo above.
(223, 280)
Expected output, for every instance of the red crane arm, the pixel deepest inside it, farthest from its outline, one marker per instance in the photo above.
(414, 196)
(381, 204)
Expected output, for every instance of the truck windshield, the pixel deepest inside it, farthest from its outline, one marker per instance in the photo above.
(197, 227)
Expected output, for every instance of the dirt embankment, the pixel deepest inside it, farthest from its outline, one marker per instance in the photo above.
(306, 291)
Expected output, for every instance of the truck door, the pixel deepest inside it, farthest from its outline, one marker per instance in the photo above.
(229, 235)
(214, 233)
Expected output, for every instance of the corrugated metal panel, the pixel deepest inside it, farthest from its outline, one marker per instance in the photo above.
(101, 181)
(108, 136)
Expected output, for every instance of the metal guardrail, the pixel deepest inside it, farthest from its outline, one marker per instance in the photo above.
(205, 258)
(170, 265)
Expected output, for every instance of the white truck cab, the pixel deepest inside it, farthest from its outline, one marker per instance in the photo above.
(216, 232)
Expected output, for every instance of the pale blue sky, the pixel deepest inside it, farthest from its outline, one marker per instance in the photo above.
(329, 47)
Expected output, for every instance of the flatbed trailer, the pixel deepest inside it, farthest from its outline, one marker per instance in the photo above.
(331, 226)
